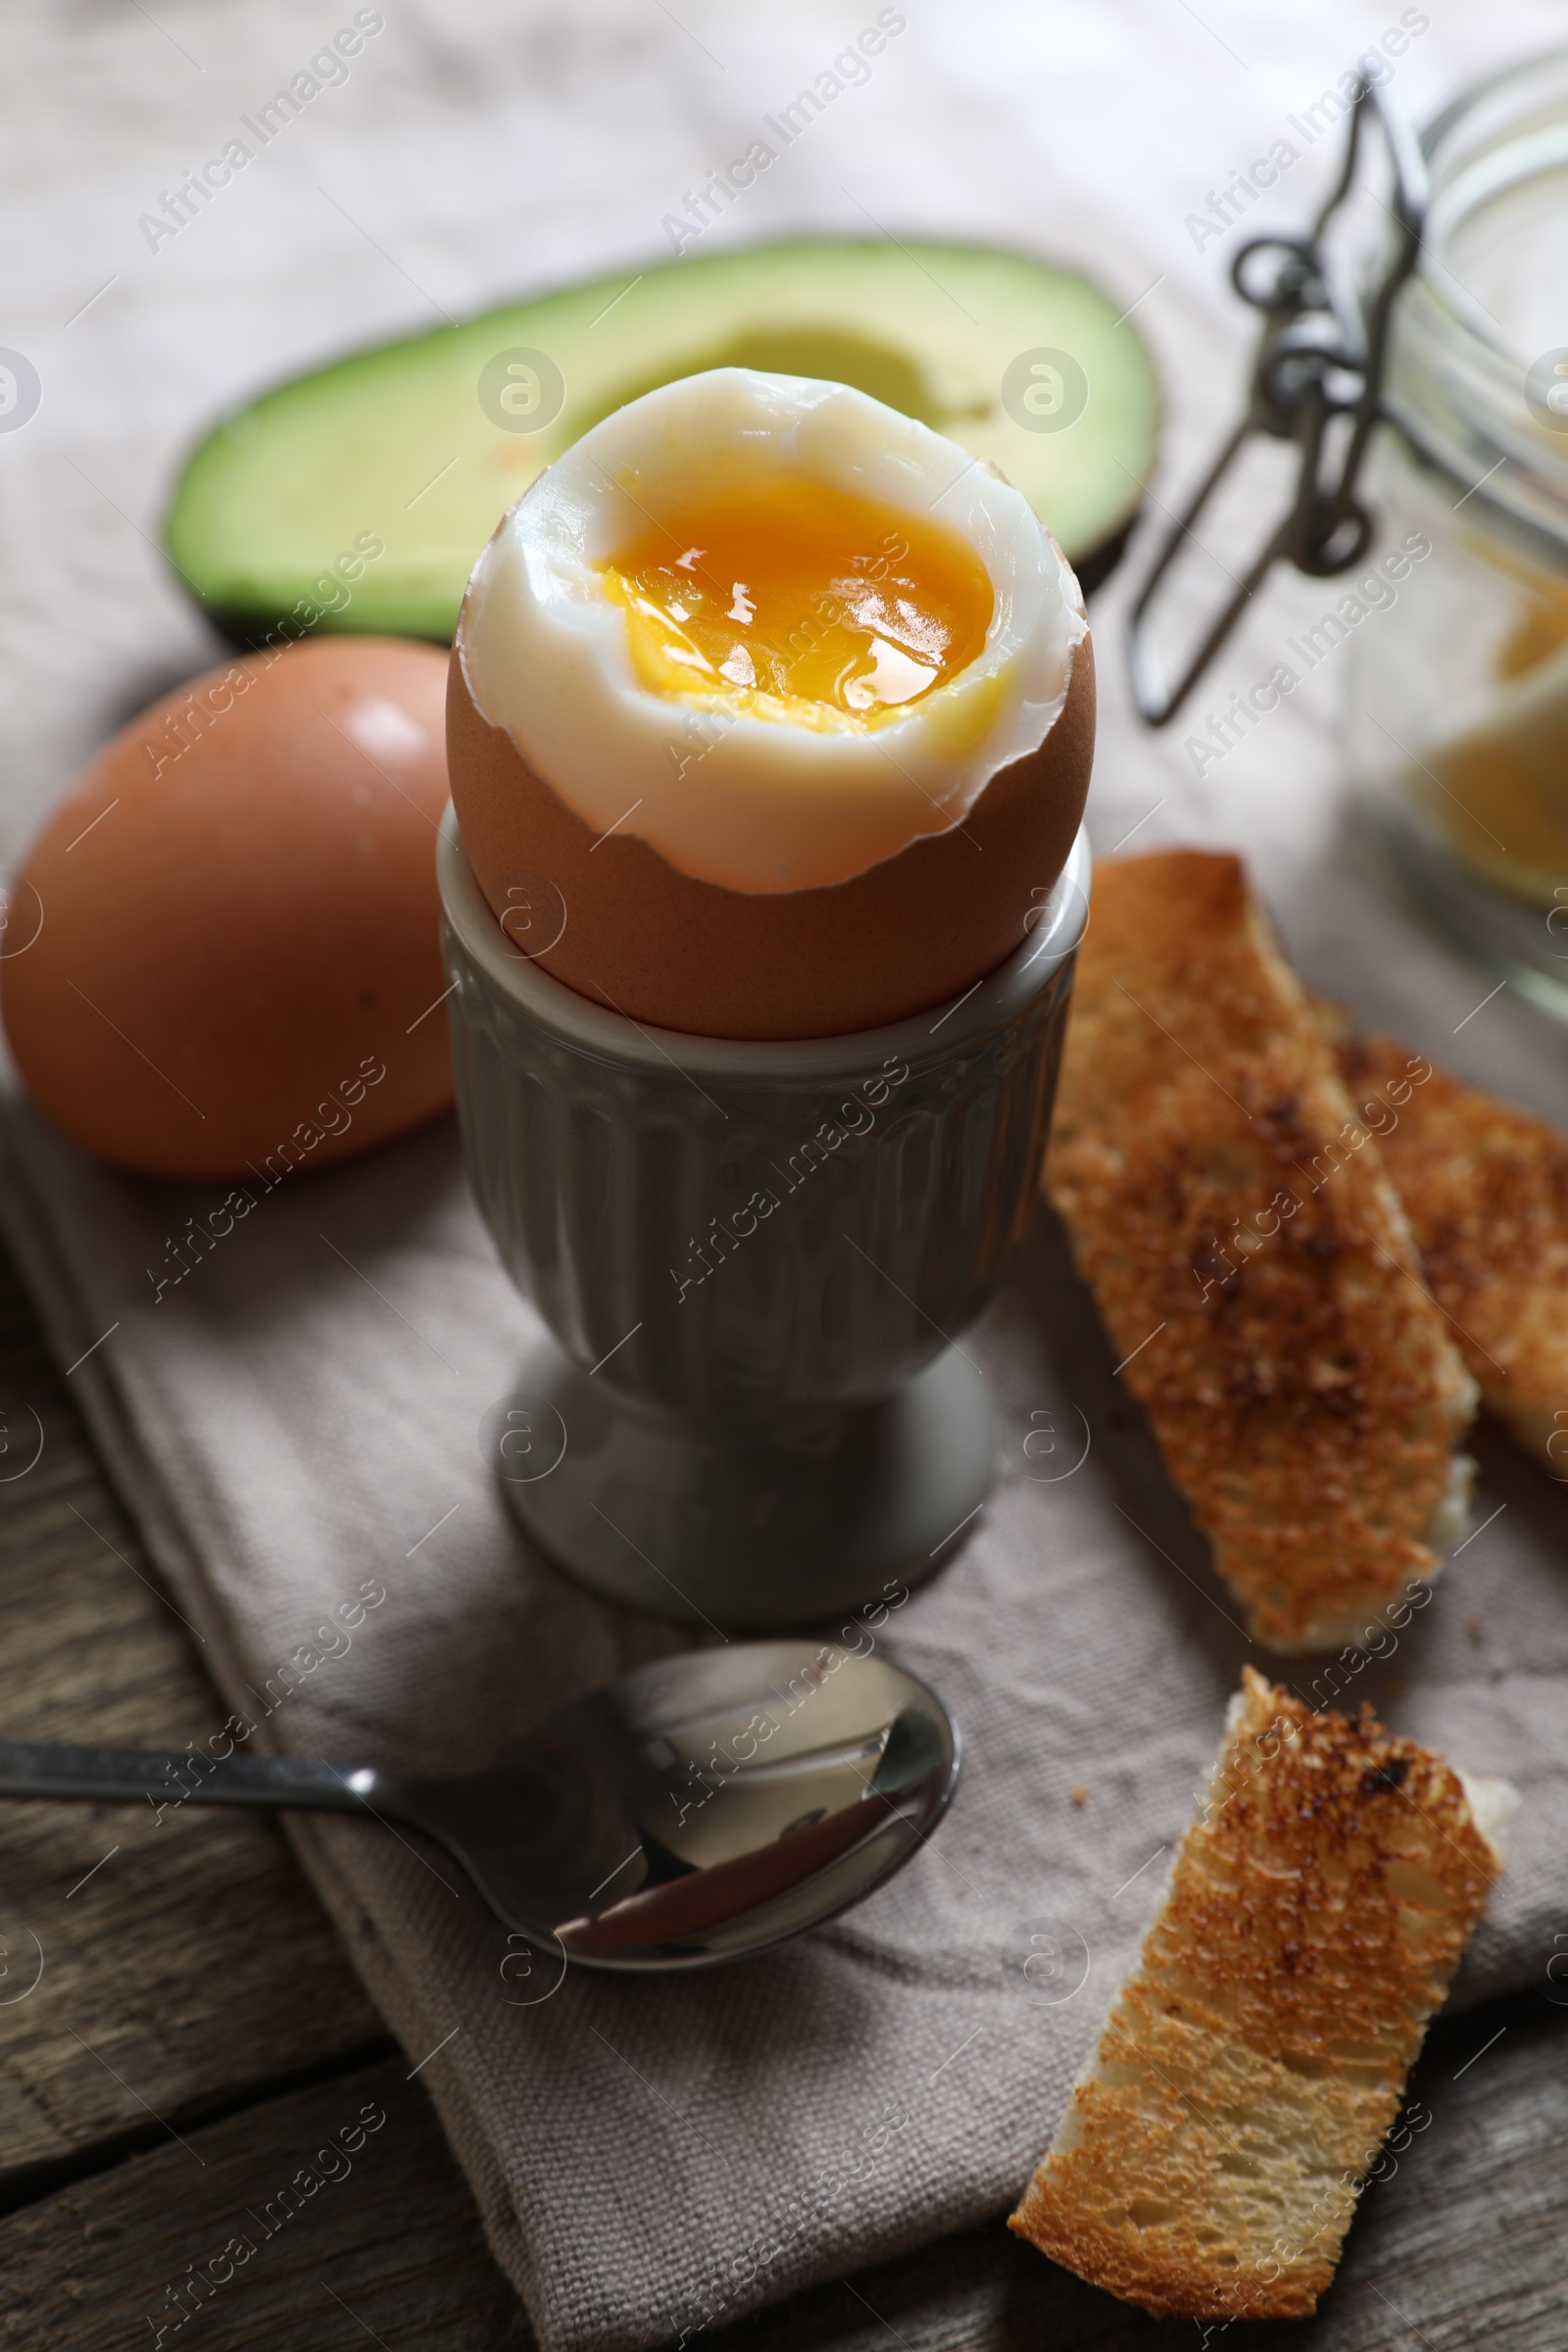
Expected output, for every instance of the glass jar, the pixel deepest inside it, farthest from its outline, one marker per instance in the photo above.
(1459, 727)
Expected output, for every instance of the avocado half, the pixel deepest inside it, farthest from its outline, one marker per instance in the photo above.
(358, 497)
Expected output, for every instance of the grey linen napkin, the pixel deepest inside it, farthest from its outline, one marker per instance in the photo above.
(297, 1424)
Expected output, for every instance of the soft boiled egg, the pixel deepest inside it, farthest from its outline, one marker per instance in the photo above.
(229, 960)
(772, 709)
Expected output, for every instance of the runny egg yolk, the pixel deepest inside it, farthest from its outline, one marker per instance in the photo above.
(802, 603)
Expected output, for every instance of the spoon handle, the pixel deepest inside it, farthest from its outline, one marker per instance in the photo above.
(165, 1777)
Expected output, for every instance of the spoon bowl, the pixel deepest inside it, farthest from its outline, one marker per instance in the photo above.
(688, 1813)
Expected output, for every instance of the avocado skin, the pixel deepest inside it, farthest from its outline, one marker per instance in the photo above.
(274, 494)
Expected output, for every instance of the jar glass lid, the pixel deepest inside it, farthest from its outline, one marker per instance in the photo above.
(1478, 373)
(1448, 318)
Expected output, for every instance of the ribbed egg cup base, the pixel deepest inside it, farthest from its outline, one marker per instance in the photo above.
(734, 1245)
(748, 1530)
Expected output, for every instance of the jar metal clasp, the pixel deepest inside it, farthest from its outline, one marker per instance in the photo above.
(1320, 358)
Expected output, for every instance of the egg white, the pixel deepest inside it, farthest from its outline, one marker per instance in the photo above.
(753, 803)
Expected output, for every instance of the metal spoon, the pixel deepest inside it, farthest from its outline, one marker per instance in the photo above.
(691, 1812)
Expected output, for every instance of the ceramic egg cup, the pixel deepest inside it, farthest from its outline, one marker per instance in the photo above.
(755, 1262)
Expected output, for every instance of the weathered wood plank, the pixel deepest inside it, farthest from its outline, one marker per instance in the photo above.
(396, 2237)
(192, 1961)
(386, 2247)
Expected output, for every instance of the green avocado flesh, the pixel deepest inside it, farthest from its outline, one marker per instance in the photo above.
(279, 511)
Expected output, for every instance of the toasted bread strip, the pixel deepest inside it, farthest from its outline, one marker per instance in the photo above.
(1486, 1190)
(1211, 2159)
(1249, 1257)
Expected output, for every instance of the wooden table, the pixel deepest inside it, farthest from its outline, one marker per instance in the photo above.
(197, 2033)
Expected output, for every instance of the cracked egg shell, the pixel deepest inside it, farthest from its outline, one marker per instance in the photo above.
(635, 934)
(817, 872)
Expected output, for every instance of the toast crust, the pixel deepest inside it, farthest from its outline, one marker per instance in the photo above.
(1248, 1255)
(1486, 1190)
(1211, 2157)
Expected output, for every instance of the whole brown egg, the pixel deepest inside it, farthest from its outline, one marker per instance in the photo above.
(224, 947)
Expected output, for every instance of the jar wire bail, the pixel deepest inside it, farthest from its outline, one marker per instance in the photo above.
(1321, 356)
